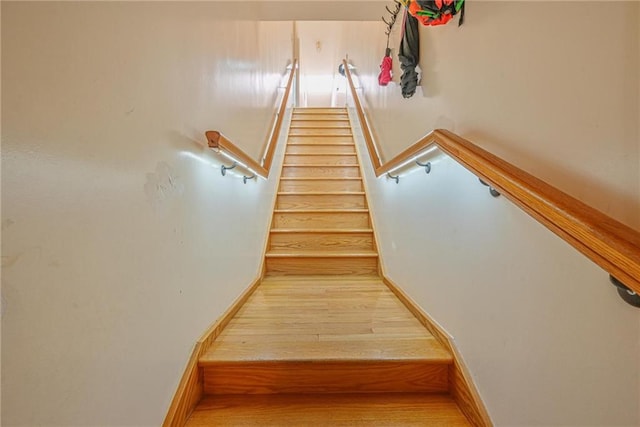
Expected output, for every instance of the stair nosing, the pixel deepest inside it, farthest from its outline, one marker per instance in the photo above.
(322, 254)
(321, 178)
(320, 193)
(321, 165)
(303, 211)
(320, 154)
(322, 230)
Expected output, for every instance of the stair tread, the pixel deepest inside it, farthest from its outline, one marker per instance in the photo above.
(334, 320)
(417, 349)
(388, 409)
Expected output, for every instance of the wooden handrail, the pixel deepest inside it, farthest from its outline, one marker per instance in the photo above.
(612, 245)
(218, 141)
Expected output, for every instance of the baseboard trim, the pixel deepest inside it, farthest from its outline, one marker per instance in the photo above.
(190, 388)
(462, 388)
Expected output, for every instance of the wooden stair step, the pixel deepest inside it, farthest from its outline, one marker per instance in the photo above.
(321, 184)
(266, 377)
(321, 239)
(424, 349)
(320, 117)
(320, 140)
(327, 219)
(297, 122)
(317, 148)
(321, 159)
(332, 131)
(361, 263)
(326, 200)
(320, 254)
(320, 110)
(311, 171)
(384, 409)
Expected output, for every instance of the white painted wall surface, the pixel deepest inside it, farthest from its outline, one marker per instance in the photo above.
(544, 334)
(320, 56)
(121, 242)
(555, 96)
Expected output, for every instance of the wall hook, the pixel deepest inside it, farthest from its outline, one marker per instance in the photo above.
(396, 178)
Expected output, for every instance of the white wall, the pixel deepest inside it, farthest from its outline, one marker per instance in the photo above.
(121, 242)
(545, 335)
(320, 55)
(555, 96)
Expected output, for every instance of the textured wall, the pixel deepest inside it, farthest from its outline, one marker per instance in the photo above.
(121, 241)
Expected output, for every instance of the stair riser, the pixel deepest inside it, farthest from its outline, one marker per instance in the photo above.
(322, 241)
(322, 266)
(306, 122)
(321, 201)
(325, 377)
(321, 220)
(320, 117)
(328, 140)
(319, 111)
(293, 131)
(342, 159)
(320, 149)
(321, 185)
(320, 171)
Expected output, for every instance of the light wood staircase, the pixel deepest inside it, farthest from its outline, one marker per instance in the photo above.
(323, 341)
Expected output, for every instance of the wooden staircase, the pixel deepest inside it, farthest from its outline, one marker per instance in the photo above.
(323, 341)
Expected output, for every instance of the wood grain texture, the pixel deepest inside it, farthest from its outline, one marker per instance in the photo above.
(297, 123)
(321, 159)
(324, 200)
(320, 140)
(321, 219)
(326, 171)
(325, 377)
(321, 239)
(322, 321)
(384, 409)
(320, 184)
(316, 148)
(320, 132)
(610, 244)
(354, 264)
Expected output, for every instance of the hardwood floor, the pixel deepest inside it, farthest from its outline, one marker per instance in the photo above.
(323, 341)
